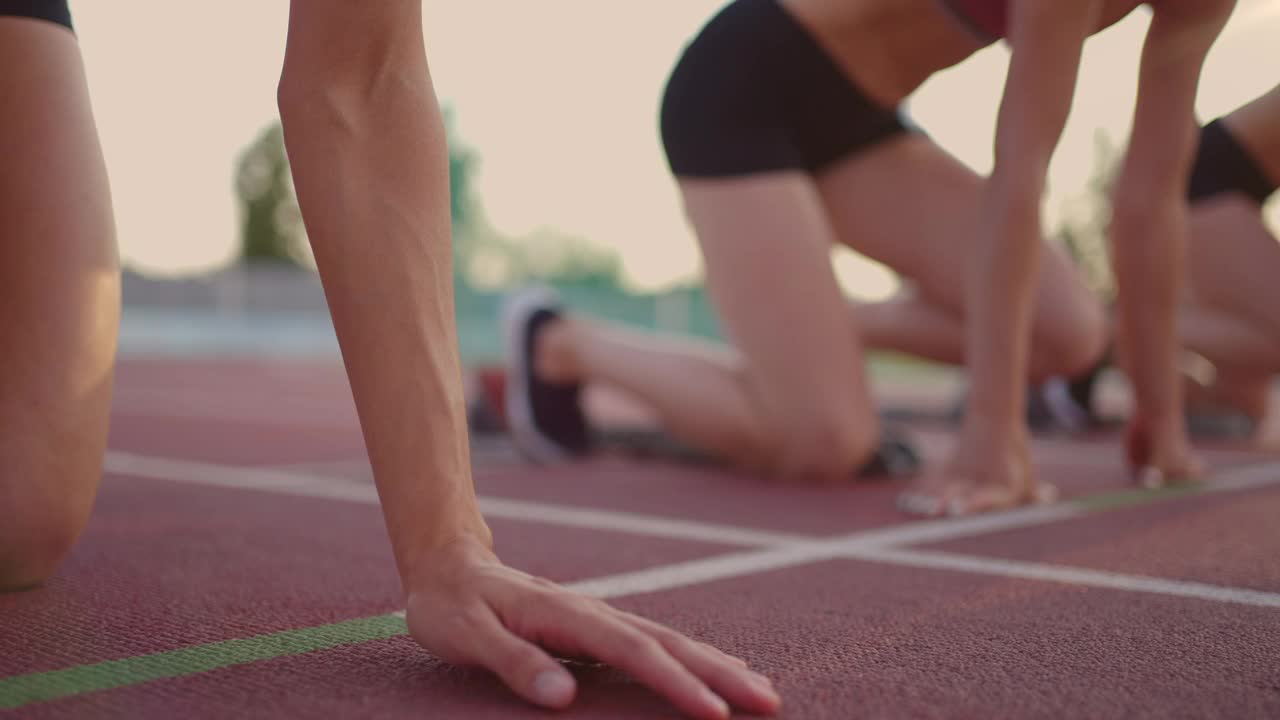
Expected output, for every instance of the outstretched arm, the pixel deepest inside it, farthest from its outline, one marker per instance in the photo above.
(367, 144)
(1149, 225)
(370, 163)
(1047, 38)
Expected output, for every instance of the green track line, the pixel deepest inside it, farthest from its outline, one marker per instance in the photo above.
(22, 690)
(1135, 497)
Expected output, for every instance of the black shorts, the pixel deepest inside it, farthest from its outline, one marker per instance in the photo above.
(1223, 165)
(755, 92)
(54, 11)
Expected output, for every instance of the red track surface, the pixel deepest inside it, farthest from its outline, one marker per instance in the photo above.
(194, 565)
(1225, 540)
(167, 565)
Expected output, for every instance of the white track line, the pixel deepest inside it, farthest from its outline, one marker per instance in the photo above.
(299, 484)
(637, 524)
(199, 473)
(750, 562)
(771, 551)
(698, 572)
(1244, 477)
(295, 409)
(915, 533)
(307, 485)
(1066, 575)
(942, 530)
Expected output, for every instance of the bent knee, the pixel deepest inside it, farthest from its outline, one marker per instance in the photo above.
(30, 556)
(39, 537)
(1073, 341)
(826, 447)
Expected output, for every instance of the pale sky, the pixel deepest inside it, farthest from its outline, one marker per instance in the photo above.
(559, 97)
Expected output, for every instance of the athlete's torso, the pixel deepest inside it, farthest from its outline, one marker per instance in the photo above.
(989, 18)
(890, 47)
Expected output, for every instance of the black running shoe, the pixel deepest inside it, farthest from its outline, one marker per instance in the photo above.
(546, 419)
(895, 458)
(1056, 406)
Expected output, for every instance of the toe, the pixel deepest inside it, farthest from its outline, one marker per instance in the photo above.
(920, 502)
(1045, 494)
(987, 498)
(1150, 477)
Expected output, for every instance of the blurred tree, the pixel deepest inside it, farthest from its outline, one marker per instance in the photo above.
(462, 165)
(270, 224)
(1083, 230)
(272, 231)
(485, 258)
(271, 228)
(472, 241)
(557, 257)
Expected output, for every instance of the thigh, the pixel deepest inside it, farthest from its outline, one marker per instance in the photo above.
(909, 204)
(766, 244)
(1233, 260)
(1257, 127)
(59, 279)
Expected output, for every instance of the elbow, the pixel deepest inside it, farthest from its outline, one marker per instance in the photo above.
(292, 91)
(316, 88)
(350, 53)
(302, 95)
(307, 96)
(353, 101)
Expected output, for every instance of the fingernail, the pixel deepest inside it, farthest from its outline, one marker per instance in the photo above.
(552, 687)
(919, 504)
(764, 688)
(1151, 478)
(715, 703)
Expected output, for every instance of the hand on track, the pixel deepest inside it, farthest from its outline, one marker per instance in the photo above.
(989, 471)
(469, 609)
(1159, 460)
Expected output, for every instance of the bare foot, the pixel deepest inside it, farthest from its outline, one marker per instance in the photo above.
(986, 474)
(1160, 458)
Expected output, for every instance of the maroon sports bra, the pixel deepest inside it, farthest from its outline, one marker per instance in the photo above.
(989, 18)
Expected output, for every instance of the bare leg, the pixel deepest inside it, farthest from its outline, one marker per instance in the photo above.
(912, 324)
(1257, 126)
(698, 389)
(1229, 317)
(875, 200)
(60, 314)
(911, 206)
(1233, 262)
(1229, 313)
(790, 398)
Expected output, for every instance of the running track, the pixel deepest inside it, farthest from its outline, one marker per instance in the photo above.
(236, 567)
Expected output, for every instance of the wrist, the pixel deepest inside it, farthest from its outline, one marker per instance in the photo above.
(997, 426)
(466, 541)
(995, 401)
(1159, 415)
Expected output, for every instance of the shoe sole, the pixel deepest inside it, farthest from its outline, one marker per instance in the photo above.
(520, 424)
